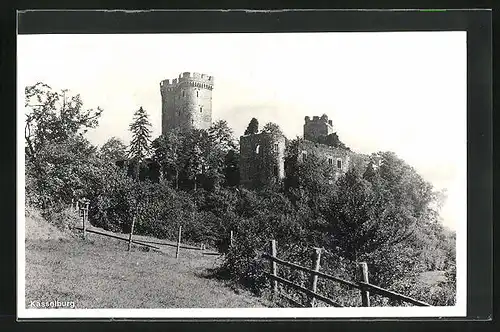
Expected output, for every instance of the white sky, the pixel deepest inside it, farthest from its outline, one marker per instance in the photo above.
(403, 91)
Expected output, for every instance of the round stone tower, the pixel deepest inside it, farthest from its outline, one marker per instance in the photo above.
(186, 102)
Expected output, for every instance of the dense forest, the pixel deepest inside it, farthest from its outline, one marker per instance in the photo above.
(387, 216)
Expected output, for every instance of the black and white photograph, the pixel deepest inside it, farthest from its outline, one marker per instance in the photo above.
(242, 174)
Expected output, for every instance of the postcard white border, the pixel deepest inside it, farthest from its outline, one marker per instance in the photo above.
(459, 310)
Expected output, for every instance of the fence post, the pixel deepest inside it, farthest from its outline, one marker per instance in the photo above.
(131, 232)
(274, 266)
(178, 242)
(316, 259)
(363, 276)
(84, 223)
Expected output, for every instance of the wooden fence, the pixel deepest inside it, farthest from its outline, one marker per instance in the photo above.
(82, 206)
(362, 284)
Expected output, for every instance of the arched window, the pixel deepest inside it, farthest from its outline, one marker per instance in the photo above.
(339, 163)
(257, 149)
(201, 109)
(196, 93)
(183, 93)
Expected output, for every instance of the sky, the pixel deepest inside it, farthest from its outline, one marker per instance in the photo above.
(394, 91)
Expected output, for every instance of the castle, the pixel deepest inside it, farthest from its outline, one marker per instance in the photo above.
(187, 104)
(262, 155)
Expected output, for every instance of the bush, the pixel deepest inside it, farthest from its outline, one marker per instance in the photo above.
(62, 217)
(243, 264)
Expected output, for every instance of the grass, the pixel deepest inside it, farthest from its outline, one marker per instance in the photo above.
(432, 278)
(101, 273)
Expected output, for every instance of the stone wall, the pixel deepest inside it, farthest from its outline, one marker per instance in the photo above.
(339, 159)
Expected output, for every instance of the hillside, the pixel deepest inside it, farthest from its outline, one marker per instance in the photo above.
(101, 273)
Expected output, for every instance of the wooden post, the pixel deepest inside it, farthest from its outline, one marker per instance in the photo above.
(231, 239)
(84, 216)
(363, 276)
(178, 242)
(316, 259)
(131, 231)
(274, 267)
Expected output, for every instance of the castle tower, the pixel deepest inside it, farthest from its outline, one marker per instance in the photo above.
(318, 128)
(186, 102)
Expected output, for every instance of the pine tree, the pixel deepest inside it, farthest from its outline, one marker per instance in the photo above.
(141, 138)
(253, 127)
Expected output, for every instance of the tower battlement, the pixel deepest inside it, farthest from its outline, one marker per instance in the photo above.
(319, 119)
(317, 128)
(197, 79)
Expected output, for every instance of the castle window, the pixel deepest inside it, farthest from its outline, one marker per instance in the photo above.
(184, 93)
(276, 170)
(196, 93)
(257, 149)
(330, 161)
(339, 163)
(275, 147)
(201, 109)
(304, 155)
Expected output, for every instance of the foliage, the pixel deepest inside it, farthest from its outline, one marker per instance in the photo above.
(166, 153)
(141, 138)
(253, 127)
(113, 150)
(272, 128)
(54, 116)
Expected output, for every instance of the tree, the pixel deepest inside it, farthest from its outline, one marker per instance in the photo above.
(113, 150)
(311, 175)
(141, 138)
(53, 116)
(167, 151)
(272, 128)
(194, 155)
(253, 127)
(385, 218)
(221, 136)
(66, 170)
(232, 168)
(222, 155)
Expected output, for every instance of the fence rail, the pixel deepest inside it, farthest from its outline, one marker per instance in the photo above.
(305, 290)
(363, 285)
(391, 294)
(305, 269)
(117, 237)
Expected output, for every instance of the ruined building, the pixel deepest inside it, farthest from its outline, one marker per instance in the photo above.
(321, 140)
(186, 102)
(262, 158)
(262, 155)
